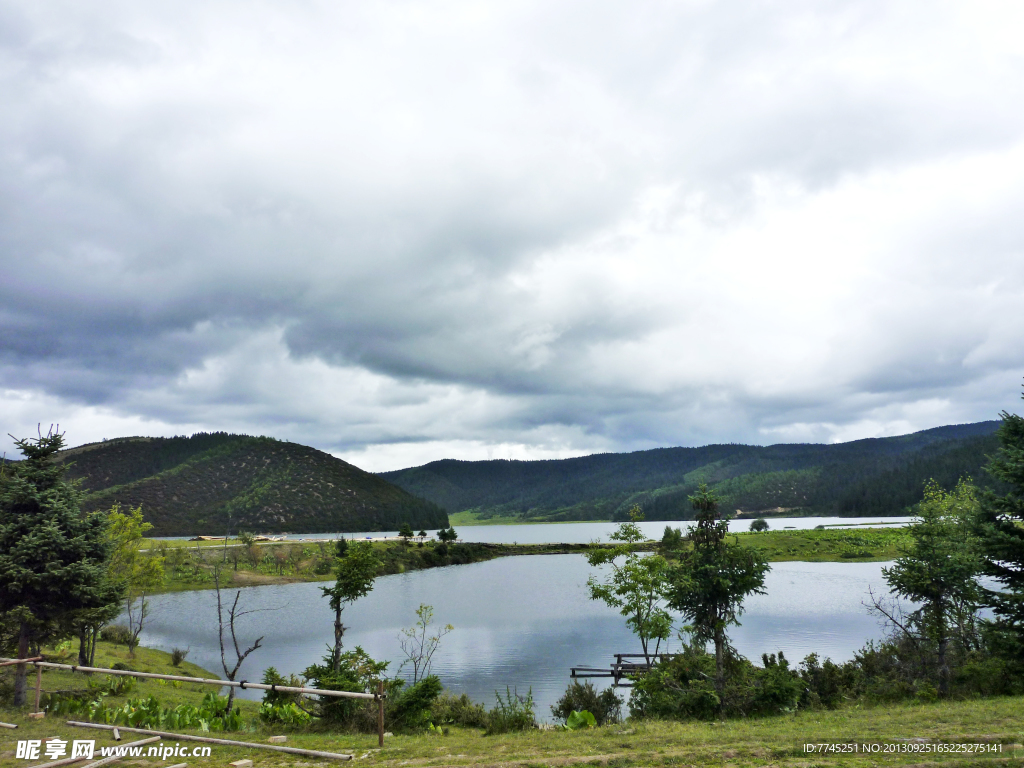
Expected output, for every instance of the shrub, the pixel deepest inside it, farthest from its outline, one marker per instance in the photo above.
(288, 714)
(118, 634)
(411, 709)
(606, 707)
(448, 708)
(276, 698)
(178, 655)
(513, 713)
(357, 672)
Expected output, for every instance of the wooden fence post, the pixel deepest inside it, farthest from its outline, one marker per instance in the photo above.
(39, 686)
(380, 713)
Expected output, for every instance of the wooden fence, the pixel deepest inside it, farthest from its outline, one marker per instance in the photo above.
(242, 684)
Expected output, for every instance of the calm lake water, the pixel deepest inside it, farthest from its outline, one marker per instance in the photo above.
(519, 621)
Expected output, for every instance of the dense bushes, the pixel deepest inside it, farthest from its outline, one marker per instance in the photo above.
(118, 634)
(683, 687)
(578, 697)
(449, 709)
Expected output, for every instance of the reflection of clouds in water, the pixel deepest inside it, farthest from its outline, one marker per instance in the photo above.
(519, 621)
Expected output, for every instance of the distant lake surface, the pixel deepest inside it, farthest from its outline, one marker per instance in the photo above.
(582, 533)
(519, 621)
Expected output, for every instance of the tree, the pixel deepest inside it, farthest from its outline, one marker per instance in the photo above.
(139, 574)
(711, 580)
(937, 570)
(447, 535)
(759, 526)
(53, 557)
(1001, 534)
(405, 532)
(356, 571)
(233, 615)
(418, 647)
(421, 535)
(635, 584)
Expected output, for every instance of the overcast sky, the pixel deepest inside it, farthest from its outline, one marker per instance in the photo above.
(407, 231)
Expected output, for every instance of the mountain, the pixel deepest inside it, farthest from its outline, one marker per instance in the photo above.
(880, 476)
(211, 482)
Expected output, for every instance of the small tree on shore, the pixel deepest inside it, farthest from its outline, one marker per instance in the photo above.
(356, 571)
(635, 584)
(419, 647)
(712, 579)
(233, 614)
(138, 573)
(937, 571)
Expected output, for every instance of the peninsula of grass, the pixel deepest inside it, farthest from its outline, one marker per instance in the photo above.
(191, 565)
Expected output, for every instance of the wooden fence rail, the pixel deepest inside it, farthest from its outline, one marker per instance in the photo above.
(243, 684)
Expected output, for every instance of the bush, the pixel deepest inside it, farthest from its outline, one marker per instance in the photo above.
(449, 709)
(277, 698)
(357, 672)
(287, 714)
(411, 709)
(118, 634)
(513, 713)
(178, 655)
(606, 707)
(759, 526)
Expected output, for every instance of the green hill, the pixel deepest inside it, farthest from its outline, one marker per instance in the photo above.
(209, 483)
(882, 476)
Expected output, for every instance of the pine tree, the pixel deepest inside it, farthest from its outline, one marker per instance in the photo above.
(52, 555)
(937, 569)
(1001, 529)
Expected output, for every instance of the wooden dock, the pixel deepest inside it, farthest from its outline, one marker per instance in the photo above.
(622, 671)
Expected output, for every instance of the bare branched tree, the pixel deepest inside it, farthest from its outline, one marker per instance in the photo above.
(232, 614)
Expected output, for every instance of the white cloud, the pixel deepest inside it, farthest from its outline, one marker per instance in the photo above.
(401, 232)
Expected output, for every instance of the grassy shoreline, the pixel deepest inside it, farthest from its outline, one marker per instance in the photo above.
(192, 567)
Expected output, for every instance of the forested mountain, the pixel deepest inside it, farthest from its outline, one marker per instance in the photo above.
(882, 476)
(209, 483)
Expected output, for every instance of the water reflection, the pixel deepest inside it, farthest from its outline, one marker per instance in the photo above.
(519, 621)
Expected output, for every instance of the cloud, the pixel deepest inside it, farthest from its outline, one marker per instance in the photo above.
(402, 231)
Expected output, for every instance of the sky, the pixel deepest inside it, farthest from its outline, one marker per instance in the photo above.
(407, 231)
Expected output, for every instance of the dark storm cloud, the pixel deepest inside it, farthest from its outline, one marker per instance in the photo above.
(404, 232)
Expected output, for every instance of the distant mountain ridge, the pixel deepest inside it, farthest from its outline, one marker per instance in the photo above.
(212, 482)
(877, 476)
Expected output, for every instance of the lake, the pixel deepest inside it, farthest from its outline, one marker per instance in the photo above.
(519, 621)
(583, 533)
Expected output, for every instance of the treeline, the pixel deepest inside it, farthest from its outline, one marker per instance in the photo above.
(883, 476)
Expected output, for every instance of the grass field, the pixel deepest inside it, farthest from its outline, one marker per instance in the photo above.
(776, 741)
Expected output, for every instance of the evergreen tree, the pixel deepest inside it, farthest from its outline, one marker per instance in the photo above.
(1001, 529)
(712, 579)
(937, 571)
(52, 556)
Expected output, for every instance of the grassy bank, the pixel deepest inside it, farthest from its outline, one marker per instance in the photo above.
(192, 567)
(774, 741)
